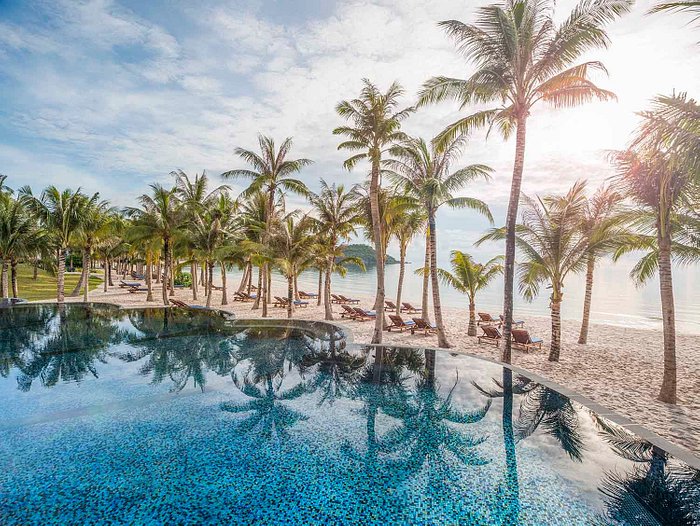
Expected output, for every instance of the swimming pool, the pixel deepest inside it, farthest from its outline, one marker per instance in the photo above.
(171, 416)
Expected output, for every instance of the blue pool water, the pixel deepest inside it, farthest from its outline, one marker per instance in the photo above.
(168, 416)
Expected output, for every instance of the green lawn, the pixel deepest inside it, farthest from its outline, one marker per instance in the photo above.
(44, 287)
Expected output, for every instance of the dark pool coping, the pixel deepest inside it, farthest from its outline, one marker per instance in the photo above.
(679, 452)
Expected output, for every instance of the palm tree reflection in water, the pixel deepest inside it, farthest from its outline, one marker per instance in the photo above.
(659, 483)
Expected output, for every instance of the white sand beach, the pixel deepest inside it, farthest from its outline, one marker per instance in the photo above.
(620, 368)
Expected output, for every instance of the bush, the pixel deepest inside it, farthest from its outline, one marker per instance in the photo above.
(183, 278)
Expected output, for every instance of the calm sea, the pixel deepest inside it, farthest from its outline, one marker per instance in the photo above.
(616, 299)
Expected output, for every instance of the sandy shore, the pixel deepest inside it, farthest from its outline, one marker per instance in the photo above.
(620, 368)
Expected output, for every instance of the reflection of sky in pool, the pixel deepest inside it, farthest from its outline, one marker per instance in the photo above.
(137, 417)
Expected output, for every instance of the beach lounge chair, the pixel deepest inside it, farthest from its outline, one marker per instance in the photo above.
(307, 295)
(424, 326)
(279, 302)
(348, 312)
(336, 299)
(523, 340)
(407, 307)
(519, 323)
(362, 314)
(183, 305)
(242, 296)
(129, 284)
(389, 305)
(398, 323)
(486, 319)
(133, 290)
(301, 303)
(491, 335)
(348, 300)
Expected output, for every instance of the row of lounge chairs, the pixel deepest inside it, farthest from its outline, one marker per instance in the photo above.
(521, 338)
(486, 319)
(284, 302)
(340, 299)
(405, 307)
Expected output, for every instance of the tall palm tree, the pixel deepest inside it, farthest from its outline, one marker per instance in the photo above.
(424, 172)
(553, 245)
(666, 228)
(292, 245)
(469, 277)
(61, 214)
(411, 225)
(337, 216)
(523, 57)
(375, 126)
(271, 172)
(17, 228)
(160, 216)
(603, 223)
(195, 196)
(685, 6)
(94, 219)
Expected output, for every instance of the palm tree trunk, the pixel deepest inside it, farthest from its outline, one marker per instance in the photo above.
(86, 266)
(320, 287)
(13, 278)
(76, 290)
(668, 316)
(471, 330)
(583, 335)
(158, 277)
(268, 276)
(511, 218)
(224, 292)
(4, 283)
(263, 293)
(166, 270)
(296, 287)
(193, 277)
(402, 271)
(290, 295)
(35, 269)
(258, 295)
(250, 277)
(555, 346)
(61, 276)
(435, 285)
(327, 290)
(210, 278)
(244, 278)
(426, 278)
(379, 250)
(149, 276)
(171, 281)
(106, 278)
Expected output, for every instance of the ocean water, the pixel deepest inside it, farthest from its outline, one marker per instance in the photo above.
(616, 299)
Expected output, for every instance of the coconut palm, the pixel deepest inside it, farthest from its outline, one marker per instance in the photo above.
(523, 57)
(60, 213)
(469, 277)
(684, 6)
(160, 215)
(272, 174)
(195, 196)
(337, 216)
(603, 224)
(375, 126)
(93, 221)
(666, 228)
(114, 243)
(17, 228)
(411, 225)
(424, 173)
(210, 231)
(554, 246)
(291, 246)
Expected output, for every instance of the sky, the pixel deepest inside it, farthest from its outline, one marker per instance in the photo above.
(114, 95)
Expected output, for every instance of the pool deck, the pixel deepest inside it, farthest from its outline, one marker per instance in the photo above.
(630, 359)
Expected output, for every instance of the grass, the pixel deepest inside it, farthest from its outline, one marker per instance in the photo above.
(44, 287)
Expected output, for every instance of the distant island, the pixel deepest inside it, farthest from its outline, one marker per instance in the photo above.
(366, 254)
